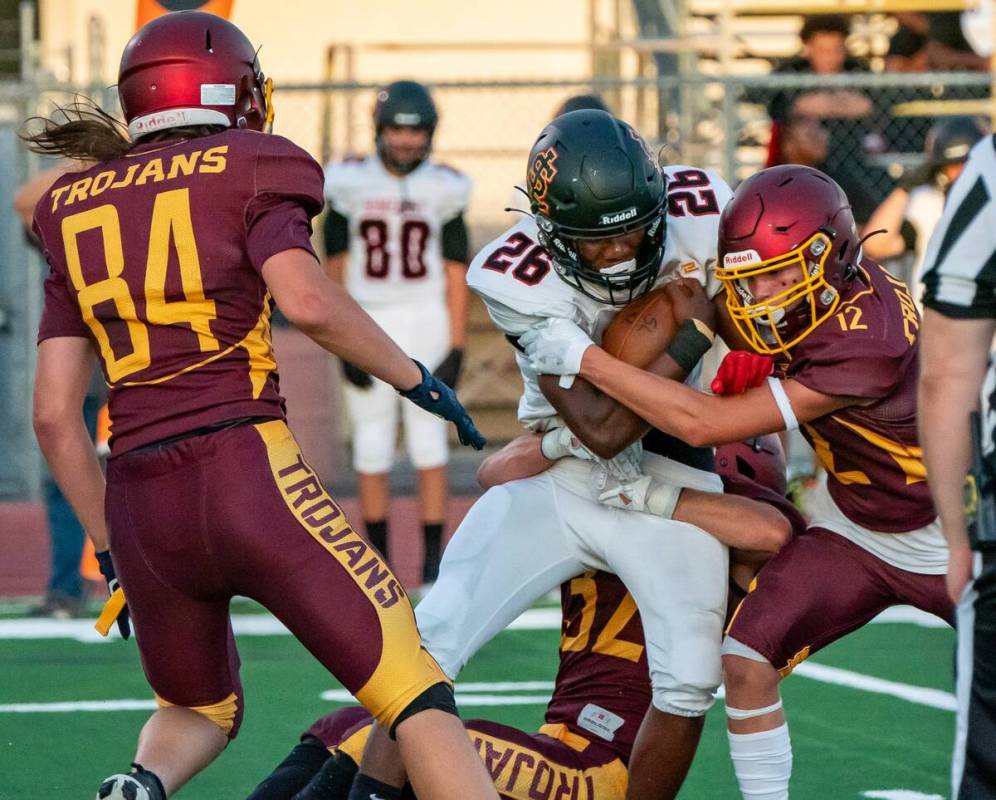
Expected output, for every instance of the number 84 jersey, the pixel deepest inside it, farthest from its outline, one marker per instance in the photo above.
(395, 227)
(515, 276)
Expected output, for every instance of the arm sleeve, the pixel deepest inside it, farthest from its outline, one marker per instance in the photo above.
(960, 263)
(287, 195)
(336, 233)
(455, 241)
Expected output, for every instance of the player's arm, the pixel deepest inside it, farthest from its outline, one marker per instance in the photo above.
(456, 255)
(33, 189)
(756, 528)
(702, 419)
(604, 425)
(65, 366)
(521, 458)
(327, 314)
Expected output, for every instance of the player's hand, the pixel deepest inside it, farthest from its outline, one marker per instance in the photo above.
(646, 494)
(560, 443)
(449, 370)
(741, 370)
(555, 346)
(356, 376)
(116, 609)
(437, 398)
(689, 301)
(959, 571)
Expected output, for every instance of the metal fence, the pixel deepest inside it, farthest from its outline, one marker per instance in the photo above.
(870, 126)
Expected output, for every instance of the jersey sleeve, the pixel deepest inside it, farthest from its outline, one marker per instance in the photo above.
(61, 313)
(959, 267)
(455, 196)
(338, 186)
(287, 195)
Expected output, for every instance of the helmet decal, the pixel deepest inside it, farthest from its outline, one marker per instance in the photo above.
(542, 171)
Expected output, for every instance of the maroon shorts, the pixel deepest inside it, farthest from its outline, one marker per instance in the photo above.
(821, 587)
(551, 763)
(240, 512)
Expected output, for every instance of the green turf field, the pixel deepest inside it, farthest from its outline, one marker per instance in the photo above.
(854, 737)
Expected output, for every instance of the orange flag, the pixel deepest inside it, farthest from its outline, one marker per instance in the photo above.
(150, 9)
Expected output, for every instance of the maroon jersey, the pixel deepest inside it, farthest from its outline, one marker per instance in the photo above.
(603, 685)
(868, 350)
(156, 258)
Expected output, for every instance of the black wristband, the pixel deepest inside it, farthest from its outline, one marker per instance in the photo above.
(689, 345)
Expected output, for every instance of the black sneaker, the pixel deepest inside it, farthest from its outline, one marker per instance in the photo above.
(139, 784)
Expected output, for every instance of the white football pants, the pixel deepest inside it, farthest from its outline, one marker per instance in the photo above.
(523, 539)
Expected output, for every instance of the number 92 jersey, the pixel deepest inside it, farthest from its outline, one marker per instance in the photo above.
(157, 259)
(395, 227)
(515, 278)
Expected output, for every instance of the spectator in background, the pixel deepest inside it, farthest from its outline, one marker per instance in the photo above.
(908, 45)
(843, 112)
(398, 218)
(909, 215)
(65, 594)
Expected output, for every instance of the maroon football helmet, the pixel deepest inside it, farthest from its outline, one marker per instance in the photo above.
(192, 68)
(786, 218)
(760, 459)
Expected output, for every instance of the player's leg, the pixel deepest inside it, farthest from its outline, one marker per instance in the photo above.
(818, 588)
(677, 575)
(338, 596)
(433, 494)
(373, 414)
(180, 614)
(508, 551)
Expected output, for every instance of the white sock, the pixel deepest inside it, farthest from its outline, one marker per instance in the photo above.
(762, 762)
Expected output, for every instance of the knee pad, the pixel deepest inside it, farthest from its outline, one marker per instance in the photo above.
(684, 701)
(226, 714)
(439, 696)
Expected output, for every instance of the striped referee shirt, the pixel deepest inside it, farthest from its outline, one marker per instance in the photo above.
(959, 272)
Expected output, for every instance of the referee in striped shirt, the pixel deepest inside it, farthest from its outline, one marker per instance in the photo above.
(959, 324)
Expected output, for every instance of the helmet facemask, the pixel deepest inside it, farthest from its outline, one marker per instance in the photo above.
(776, 324)
(618, 284)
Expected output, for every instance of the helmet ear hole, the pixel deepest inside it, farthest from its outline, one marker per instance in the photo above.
(207, 40)
(745, 469)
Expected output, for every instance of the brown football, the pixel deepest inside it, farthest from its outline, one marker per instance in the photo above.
(640, 332)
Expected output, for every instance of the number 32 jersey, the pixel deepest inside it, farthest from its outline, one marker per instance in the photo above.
(157, 259)
(395, 227)
(515, 277)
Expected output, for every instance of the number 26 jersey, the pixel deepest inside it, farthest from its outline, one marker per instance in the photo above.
(395, 227)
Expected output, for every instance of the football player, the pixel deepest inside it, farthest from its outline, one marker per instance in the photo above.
(164, 257)
(601, 692)
(843, 336)
(395, 236)
(607, 226)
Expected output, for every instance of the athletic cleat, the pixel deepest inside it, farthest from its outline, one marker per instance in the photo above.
(139, 784)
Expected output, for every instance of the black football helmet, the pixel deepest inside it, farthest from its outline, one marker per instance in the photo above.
(591, 176)
(949, 140)
(404, 104)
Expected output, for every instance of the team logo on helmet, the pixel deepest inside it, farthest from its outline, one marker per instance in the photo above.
(541, 174)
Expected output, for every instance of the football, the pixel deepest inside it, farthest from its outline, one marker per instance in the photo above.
(640, 331)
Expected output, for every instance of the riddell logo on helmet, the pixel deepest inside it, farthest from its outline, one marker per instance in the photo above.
(741, 258)
(619, 216)
(166, 119)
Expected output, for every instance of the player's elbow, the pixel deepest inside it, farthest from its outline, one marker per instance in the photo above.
(308, 310)
(774, 532)
(51, 418)
(602, 441)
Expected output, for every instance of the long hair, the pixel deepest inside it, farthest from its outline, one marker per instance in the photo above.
(80, 130)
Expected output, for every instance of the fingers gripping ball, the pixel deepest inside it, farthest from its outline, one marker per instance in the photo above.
(642, 330)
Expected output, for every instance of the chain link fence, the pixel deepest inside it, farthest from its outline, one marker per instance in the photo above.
(864, 129)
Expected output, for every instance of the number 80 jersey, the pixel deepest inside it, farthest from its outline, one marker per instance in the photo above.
(395, 225)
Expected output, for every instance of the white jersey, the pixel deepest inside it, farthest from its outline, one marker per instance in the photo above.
(515, 277)
(923, 211)
(395, 246)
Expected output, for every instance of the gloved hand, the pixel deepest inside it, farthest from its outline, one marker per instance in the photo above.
(449, 369)
(645, 493)
(741, 370)
(561, 442)
(555, 346)
(115, 609)
(356, 376)
(437, 398)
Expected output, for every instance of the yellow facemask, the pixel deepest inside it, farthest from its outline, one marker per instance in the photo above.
(758, 322)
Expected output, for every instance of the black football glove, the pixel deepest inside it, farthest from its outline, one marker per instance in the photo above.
(115, 609)
(437, 398)
(449, 370)
(356, 376)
